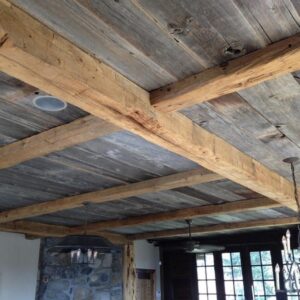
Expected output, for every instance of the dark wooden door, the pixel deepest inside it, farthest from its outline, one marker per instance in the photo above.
(179, 276)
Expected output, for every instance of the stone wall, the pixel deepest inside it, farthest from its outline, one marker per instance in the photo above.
(60, 280)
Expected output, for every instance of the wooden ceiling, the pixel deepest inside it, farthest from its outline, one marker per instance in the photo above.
(176, 109)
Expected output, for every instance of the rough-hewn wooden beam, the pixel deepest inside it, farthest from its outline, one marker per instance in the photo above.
(115, 238)
(115, 193)
(129, 273)
(219, 228)
(55, 139)
(35, 228)
(185, 213)
(45, 230)
(35, 54)
(277, 59)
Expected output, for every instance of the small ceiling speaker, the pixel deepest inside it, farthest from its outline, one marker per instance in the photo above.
(49, 103)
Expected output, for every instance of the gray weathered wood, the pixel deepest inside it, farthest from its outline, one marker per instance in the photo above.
(154, 43)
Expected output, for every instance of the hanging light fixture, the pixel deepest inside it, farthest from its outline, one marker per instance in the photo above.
(193, 246)
(291, 269)
(82, 249)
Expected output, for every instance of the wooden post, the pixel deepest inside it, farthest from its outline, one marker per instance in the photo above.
(129, 273)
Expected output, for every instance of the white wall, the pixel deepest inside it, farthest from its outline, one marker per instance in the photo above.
(18, 267)
(147, 257)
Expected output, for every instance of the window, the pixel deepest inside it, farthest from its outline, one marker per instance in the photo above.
(206, 277)
(233, 276)
(262, 274)
(240, 273)
(296, 254)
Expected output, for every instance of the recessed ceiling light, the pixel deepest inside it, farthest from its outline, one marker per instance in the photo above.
(49, 103)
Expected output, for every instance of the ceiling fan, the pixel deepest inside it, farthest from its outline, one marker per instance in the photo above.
(193, 246)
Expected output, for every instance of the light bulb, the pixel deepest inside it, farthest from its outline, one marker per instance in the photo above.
(95, 254)
(277, 271)
(284, 243)
(89, 255)
(72, 255)
(288, 241)
(78, 255)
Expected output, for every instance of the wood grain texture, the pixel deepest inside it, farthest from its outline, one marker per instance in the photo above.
(70, 74)
(181, 214)
(20, 119)
(46, 230)
(129, 273)
(123, 17)
(115, 238)
(217, 229)
(12, 89)
(84, 27)
(262, 122)
(149, 186)
(55, 139)
(35, 228)
(207, 30)
(275, 60)
(279, 19)
(277, 100)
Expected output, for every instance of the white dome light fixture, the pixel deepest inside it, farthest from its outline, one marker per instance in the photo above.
(49, 103)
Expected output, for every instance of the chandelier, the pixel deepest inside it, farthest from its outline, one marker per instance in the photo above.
(82, 249)
(291, 268)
